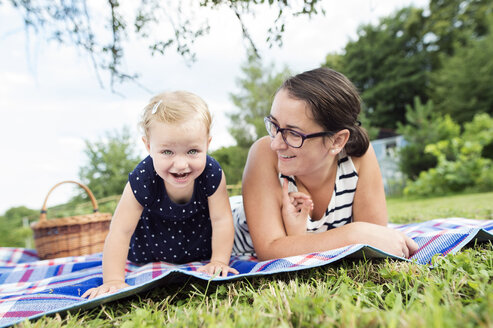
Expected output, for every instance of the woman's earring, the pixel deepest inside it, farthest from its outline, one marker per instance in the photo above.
(334, 150)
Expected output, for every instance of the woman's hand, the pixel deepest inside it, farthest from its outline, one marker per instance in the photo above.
(216, 267)
(296, 207)
(107, 288)
(386, 239)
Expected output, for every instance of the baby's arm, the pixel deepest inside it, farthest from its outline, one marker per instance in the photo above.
(115, 252)
(222, 232)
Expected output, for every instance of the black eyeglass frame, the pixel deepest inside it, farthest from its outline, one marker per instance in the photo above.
(303, 136)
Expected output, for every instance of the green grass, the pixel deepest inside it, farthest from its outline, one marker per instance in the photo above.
(472, 206)
(457, 292)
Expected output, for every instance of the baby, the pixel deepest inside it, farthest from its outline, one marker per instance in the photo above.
(175, 206)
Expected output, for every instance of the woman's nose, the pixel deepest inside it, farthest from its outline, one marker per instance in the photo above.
(278, 142)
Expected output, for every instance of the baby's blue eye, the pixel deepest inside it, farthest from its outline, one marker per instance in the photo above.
(167, 152)
(193, 152)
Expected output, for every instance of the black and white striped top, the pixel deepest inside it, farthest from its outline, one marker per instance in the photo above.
(340, 209)
(338, 213)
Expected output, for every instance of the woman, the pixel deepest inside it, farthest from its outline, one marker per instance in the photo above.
(314, 183)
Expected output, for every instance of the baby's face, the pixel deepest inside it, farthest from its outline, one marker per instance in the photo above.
(179, 152)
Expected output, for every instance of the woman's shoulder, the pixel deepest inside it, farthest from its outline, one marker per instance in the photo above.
(261, 164)
(361, 161)
(262, 147)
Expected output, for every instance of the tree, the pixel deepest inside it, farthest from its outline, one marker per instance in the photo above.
(232, 160)
(453, 23)
(424, 126)
(258, 86)
(100, 29)
(110, 160)
(389, 65)
(462, 86)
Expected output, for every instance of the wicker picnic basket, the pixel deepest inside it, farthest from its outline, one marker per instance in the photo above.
(71, 236)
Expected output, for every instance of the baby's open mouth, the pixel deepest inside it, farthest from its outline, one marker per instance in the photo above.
(180, 175)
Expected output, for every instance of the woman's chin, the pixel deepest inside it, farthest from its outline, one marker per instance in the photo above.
(286, 169)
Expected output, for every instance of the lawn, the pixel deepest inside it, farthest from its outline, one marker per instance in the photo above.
(457, 292)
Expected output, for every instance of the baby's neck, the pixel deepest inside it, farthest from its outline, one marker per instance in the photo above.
(179, 195)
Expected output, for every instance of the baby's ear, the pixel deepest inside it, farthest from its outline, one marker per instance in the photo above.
(146, 143)
(209, 142)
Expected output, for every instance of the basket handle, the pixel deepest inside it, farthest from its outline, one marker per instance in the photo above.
(42, 217)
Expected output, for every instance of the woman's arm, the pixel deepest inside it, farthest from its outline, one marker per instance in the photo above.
(262, 200)
(123, 223)
(222, 231)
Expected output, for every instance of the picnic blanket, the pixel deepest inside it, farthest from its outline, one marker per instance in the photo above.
(30, 288)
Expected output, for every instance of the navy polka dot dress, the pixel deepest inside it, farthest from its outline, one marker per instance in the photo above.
(170, 232)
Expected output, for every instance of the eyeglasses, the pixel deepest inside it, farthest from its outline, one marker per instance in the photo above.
(292, 138)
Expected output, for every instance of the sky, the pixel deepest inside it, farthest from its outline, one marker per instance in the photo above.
(51, 101)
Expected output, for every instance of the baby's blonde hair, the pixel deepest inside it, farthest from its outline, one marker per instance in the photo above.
(175, 107)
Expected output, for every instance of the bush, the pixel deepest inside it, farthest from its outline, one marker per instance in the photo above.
(424, 127)
(12, 232)
(460, 165)
(232, 160)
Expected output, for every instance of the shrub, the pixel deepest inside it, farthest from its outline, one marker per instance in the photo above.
(424, 127)
(460, 165)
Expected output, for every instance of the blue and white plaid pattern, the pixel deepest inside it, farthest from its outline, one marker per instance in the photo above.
(30, 288)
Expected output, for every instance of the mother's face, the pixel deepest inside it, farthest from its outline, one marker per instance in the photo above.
(295, 114)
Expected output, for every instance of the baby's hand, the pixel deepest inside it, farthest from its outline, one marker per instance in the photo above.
(106, 288)
(216, 267)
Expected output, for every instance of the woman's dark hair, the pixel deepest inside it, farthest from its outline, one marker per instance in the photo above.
(334, 102)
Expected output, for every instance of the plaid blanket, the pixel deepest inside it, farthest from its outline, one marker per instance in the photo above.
(30, 288)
